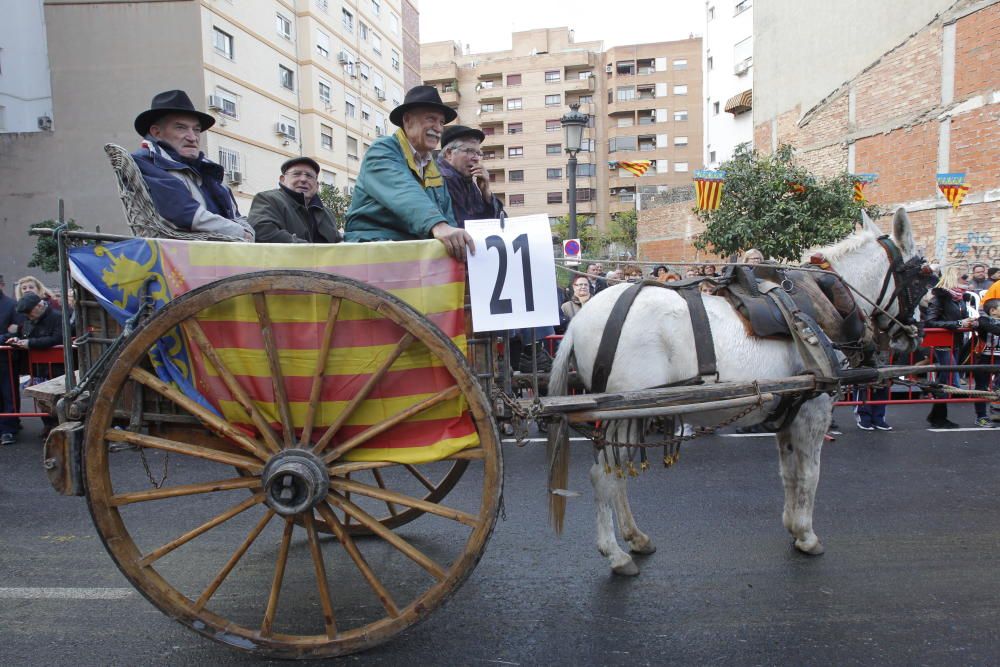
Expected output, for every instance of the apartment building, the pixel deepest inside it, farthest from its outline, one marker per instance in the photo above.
(282, 77)
(728, 67)
(642, 101)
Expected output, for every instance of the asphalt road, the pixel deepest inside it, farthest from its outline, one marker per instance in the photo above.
(910, 520)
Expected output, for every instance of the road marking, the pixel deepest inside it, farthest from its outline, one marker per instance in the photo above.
(545, 440)
(746, 435)
(65, 593)
(959, 430)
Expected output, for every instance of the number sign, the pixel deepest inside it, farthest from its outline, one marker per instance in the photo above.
(512, 276)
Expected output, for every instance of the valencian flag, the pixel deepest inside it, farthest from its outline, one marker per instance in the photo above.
(636, 167)
(708, 188)
(953, 187)
(419, 272)
(860, 181)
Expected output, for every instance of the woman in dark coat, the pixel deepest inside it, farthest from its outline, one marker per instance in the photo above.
(946, 309)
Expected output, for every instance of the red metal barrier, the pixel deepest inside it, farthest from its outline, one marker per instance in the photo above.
(46, 358)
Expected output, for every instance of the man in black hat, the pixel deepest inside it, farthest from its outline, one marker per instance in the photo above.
(186, 187)
(400, 194)
(293, 213)
(42, 327)
(460, 162)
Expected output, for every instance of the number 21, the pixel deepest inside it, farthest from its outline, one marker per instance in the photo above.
(500, 306)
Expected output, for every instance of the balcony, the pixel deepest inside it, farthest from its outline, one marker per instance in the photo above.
(451, 98)
(441, 72)
(582, 86)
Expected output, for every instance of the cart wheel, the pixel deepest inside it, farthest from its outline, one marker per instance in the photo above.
(254, 572)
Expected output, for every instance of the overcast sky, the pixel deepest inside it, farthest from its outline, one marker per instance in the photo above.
(487, 25)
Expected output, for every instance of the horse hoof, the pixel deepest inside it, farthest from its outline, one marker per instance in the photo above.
(816, 549)
(643, 549)
(628, 569)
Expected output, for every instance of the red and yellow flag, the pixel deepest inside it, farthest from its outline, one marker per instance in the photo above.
(860, 181)
(708, 188)
(636, 167)
(953, 187)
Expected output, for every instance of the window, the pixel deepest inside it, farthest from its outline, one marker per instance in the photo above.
(516, 200)
(553, 100)
(323, 4)
(489, 83)
(284, 26)
(681, 89)
(366, 111)
(625, 93)
(352, 148)
(288, 127)
(394, 23)
(552, 76)
(324, 92)
(365, 147)
(647, 118)
(715, 108)
(513, 79)
(364, 69)
(621, 144)
(743, 54)
(326, 137)
(711, 156)
(515, 151)
(553, 198)
(363, 31)
(553, 174)
(376, 44)
(223, 43)
(514, 104)
(680, 141)
(553, 125)
(742, 6)
(487, 108)
(625, 67)
(489, 130)
(584, 194)
(709, 64)
(350, 105)
(646, 92)
(553, 149)
(227, 102)
(586, 99)
(395, 60)
(515, 175)
(376, 7)
(588, 145)
(322, 44)
(378, 83)
(286, 77)
(680, 166)
(680, 63)
(328, 178)
(229, 159)
(680, 115)
(711, 13)
(380, 126)
(349, 63)
(625, 121)
(348, 20)
(515, 128)
(586, 170)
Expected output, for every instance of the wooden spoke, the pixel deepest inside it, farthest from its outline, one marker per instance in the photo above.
(319, 371)
(403, 499)
(241, 462)
(233, 560)
(274, 363)
(378, 529)
(195, 332)
(217, 424)
(423, 480)
(351, 548)
(372, 382)
(120, 499)
(321, 580)
(377, 474)
(383, 426)
(203, 528)
(279, 574)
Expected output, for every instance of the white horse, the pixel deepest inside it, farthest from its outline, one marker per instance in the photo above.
(656, 348)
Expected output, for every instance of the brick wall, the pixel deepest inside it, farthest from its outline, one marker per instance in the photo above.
(976, 52)
(666, 234)
(904, 160)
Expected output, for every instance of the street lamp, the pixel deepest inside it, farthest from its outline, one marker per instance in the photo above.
(573, 123)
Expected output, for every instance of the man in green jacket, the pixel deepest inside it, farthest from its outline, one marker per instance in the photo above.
(293, 213)
(400, 194)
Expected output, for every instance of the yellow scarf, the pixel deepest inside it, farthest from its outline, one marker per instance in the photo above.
(432, 177)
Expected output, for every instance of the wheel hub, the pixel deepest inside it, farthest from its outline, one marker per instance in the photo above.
(295, 481)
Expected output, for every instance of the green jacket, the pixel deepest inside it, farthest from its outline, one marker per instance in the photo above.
(390, 201)
(281, 216)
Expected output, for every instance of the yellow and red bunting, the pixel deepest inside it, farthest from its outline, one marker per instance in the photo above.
(708, 188)
(418, 272)
(953, 187)
(860, 181)
(635, 167)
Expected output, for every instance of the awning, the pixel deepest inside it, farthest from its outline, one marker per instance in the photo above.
(741, 103)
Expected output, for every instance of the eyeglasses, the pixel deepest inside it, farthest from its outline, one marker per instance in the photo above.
(296, 174)
(471, 151)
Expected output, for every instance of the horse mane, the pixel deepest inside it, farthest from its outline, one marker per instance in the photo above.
(848, 245)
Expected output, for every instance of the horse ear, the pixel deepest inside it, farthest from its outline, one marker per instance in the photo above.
(902, 232)
(869, 224)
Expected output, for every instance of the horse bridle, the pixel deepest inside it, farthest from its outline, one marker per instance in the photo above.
(906, 293)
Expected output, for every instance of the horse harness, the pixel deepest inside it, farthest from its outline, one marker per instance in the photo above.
(907, 291)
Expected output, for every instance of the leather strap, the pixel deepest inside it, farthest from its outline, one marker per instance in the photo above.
(703, 343)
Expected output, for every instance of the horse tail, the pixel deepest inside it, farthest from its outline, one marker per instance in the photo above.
(557, 448)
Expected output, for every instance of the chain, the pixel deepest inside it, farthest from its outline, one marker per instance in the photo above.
(149, 473)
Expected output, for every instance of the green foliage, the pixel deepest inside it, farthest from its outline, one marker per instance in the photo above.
(46, 255)
(336, 201)
(624, 229)
(761, 209)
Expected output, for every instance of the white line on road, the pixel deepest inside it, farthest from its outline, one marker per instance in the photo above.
(65, 593)
(958, 430)
(545, 440)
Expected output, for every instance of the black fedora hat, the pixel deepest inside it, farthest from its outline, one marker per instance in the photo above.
(454, 132)
(422, 96)
(171, 101)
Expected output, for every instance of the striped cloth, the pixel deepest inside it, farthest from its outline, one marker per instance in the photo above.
(636, 167)
(418, 272)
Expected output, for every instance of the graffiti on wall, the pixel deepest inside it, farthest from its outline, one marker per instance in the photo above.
(977, 247)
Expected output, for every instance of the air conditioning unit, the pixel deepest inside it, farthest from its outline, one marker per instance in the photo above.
(215, 102)
(284, 130)
(379, 93)
(45, 122)
(235, 177)
(342, 58)
(608, 68)
(742, 66)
